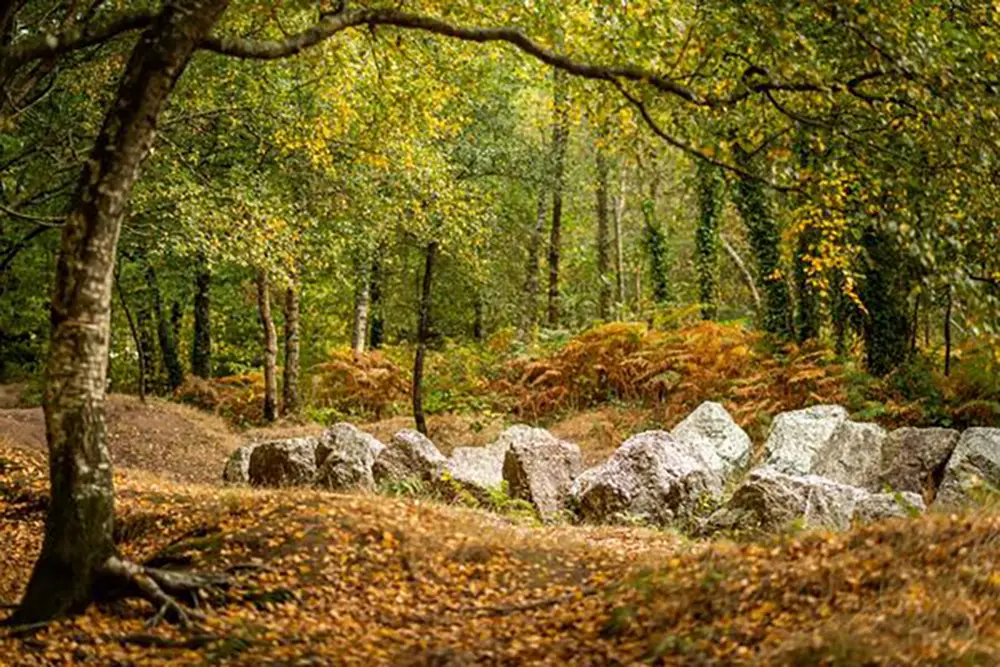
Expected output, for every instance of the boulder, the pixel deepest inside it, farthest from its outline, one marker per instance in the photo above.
(852, 454)
(914, 459)
(974, 465)
(715, 438)
(345, 457)
(237, 470)
(770, 500)
(540, 468)
(343, 435)
(651, 477)
(283, 463)
(477, 469)
(409, 455)
(797, 436)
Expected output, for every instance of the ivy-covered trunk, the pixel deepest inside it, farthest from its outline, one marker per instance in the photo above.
(655, 242)
(884, 292)
(529, 315)
(290, 385)
(560, 137)
(765, 242)
(808, 314)
(423, 335)
(201, 346)
(707, 238)
(165, 334)
(603, 237)
(78, 548)
(270, 341)
(376, 331)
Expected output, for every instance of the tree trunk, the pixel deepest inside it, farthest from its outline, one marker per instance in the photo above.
(377, 329)
(78, 546)
(765, 244)
(744, 272)
(560, 136)
(423, 333)
(201, 346)
(947, 332)
(656, 248)
(529, 317)
(270, 347)
(618, 212)
(165, 334)
(359, 327)
(141, 353)
(290, 387)
(707, 238)
(807, 314)
(477, 317)
(603, 238)
(884, 293)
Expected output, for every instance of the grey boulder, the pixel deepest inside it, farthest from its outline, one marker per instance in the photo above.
(345, 456)
(540, 468)
(914, 459)
(712, 436)
(770, 500)
(973, 466)
(797, 436)
(409, 455)
(237, 470)
(851, 455)
(651, 477)
(283, 463)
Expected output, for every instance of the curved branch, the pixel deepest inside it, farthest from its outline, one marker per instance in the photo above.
(38, 219)
(47, 46)
(691, 150)
(332, 24)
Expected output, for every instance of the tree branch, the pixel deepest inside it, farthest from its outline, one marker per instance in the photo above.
(49, 45)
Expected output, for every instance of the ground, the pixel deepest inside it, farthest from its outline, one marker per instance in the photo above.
(322, 578)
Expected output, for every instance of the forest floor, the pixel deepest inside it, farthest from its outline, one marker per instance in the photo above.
(359, 579)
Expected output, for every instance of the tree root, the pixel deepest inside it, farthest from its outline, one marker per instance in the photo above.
(162, 587)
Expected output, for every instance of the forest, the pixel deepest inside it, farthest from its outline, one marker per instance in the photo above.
(579, 332)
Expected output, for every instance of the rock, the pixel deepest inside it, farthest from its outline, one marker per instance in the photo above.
(711, 432)
(852, 455)
(650, 477)
(345, 456)
(283, 463)
(771, 500)
(914, 459)
(342, 435)
(540, 468)
(974, 465)
(237, 470)
(796, 437)
(409, 455)
(477, 469)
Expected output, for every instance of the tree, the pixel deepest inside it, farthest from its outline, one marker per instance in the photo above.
(270, 346)
(707, 238)
(201, 347)
(603, 235)
(290, 384)
(560, 138)
(423, 335)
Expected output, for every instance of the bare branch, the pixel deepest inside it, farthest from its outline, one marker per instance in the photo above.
(40, 220)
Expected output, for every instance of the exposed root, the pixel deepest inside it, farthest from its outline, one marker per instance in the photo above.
(161, 588)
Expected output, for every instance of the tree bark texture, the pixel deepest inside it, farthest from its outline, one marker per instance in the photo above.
(560, 138)
(201, 347)
(290, 386)
(362, 293)
(603, 237)
(78, 542)
(423, 334)
(270, 346)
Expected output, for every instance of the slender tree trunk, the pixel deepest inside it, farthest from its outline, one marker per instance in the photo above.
(618, 212)
(707, 238)
(141, 353)
(145, 321)
(656, 247)
(359, 326)
(201, 347)
(808, 313)
(290, 387)
(270, 347)
(603, 237)
(165, 334)
(741, 268)
(560, 138)
(78, 552)
(423, 334)
(376, 315)
(947, 331)
(884, 293)
(529, 317)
